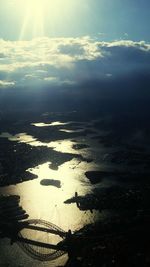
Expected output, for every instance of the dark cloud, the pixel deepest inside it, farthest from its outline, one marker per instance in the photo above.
(71, 61)
(2, 55)
(76, 73)
(71, 49)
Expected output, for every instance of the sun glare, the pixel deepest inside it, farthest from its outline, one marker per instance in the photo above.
(34, 17)
(36, 13)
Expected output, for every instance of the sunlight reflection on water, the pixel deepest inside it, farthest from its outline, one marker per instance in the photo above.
(21, 137)
(47, 202)
(71, 131)
(63, 146)
(55, 123)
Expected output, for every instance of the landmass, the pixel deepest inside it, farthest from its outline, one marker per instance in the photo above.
(48, 182)
(79, 146)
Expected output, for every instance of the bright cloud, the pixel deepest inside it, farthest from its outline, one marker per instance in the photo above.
(6, 84)
(69, 60)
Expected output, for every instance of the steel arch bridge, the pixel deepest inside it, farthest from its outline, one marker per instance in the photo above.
(38, 249)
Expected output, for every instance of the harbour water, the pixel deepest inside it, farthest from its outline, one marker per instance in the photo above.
(47, 202)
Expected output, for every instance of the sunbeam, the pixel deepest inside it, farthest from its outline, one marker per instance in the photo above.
(38, 14)
(34, 17)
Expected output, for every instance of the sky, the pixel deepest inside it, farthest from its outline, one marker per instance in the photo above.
(104, 19)
(99, 45)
